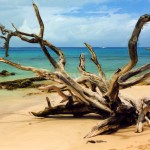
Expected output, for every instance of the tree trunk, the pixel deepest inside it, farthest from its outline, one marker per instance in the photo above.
(90, 93)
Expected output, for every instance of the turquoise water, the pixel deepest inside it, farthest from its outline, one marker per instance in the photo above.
(110, 58)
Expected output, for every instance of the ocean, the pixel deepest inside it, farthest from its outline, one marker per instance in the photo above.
(110, 58)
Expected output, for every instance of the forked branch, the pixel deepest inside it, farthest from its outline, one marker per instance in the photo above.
(95, 60)
(89, 93)
(132, 46)
(123, 79)
(93, 79)
(41, 33)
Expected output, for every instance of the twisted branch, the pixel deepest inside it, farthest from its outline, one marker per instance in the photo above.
(132, 46)
(123, 79)
(92, 78)
(95, 60)
(40, 72)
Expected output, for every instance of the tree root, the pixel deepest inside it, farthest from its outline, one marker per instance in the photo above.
(110, 125)
(75, 108)
(144, 115)
(113, 123)
(94, 94)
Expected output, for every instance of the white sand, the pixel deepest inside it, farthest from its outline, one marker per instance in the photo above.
(21, 131)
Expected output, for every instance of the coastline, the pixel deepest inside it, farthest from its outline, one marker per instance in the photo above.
(111, 58)
(105, 95)
(21, 130)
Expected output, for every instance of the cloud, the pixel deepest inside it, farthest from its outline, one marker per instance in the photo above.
(51, 3)
(73, 31)
(71, 23)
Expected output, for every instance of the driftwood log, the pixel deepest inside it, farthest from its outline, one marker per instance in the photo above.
(90, 93)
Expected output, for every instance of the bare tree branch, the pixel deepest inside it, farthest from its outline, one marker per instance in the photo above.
(39, 20)
(132, 46)
(95, 60)
(89, 93)
(122, 79)
(92, 78)
(62, 60)
(40, 72)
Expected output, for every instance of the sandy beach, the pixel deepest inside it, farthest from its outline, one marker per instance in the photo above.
(20, 130)
(86, 51)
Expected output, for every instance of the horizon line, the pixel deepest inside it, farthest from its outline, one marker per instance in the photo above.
(76, 47)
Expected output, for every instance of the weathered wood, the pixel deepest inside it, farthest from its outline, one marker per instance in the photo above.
(95, 60)
(123, 79)
(143, 115)
(132, 46)
(110, 125)
(91, 78)
(89, 93)
(75, 108)
(41, 33)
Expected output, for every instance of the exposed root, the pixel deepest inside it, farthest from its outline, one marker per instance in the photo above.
(144, 115)
(113, 123)
(91, 93)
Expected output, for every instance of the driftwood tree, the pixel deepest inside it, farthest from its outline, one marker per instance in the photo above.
(89, 93)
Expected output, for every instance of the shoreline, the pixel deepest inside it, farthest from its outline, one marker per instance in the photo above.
(21, 130)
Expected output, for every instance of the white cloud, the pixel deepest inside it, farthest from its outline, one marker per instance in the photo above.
(26, 28)
(99, 31)
(113, 29)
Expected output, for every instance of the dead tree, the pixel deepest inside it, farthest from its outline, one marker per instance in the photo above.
(89, 93)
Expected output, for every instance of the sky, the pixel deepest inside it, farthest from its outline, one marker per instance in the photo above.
(101, 23)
